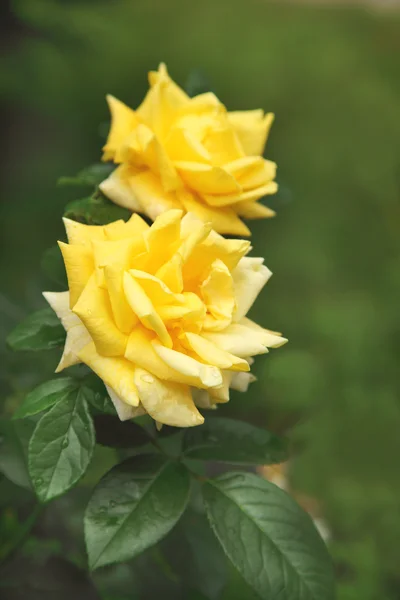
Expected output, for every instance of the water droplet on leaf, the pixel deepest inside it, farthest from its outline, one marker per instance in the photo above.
(65, 443)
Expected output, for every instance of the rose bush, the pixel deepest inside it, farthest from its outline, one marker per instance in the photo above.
(159, 313)
(189, 153)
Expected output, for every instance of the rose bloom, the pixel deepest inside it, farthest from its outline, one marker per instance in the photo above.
(158, 313)
(189, 153)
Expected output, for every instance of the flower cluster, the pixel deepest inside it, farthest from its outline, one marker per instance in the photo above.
(189, 153)
(159, 313)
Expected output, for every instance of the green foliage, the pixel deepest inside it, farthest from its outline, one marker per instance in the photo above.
(269, 539)
(133, 507)
(110, 431)
(42, 330)
(334, 246)
(235, 442)
(61, 446)
(45, 395)
(95, 210)
(89, 177)
(53, 266)
(14, 443)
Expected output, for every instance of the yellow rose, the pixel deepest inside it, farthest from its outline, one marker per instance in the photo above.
(158, 313)
(189, 153)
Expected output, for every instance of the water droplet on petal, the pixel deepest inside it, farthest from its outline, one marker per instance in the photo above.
(147, 378)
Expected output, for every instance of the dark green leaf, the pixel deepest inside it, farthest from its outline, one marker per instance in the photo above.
(95, 210)
(45, 395)
(99, 399)
(14, 441)
(270, 540)
(197, 83)
(235, 442)
(61, 447)
(133, 507)
(53, 266)
(110, 431)
(42, 330)
(90, 176)
(195, 555)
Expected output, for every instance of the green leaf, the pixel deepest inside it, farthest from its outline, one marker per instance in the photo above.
(235, 442)
(195, 555)
(42, 330)
(52, 265)
(99, 399)
(14, 441)
(135, 505)
(95, 210)
(112, 432)
(90, 176)
(45, 395)
(270, 540)
(61, 447)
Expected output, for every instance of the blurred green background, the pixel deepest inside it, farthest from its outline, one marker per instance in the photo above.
(332, 77)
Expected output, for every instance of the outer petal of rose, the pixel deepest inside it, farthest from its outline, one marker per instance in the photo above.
(254, 210)
(117, 187)
(124, 411)
(79, 265)
(116, 372)
(243, 340)
(218, 294)
(117, 252)
(232, 199)
(223, 220)
(124, 317)
(144, 309)
(168, 403)
(135, 228)
(207, 179)
(249, 278)
(77, 335)
(94, 309)
(155, 288)
(171, 273)
(252, 128)
(193, 233)
(163, 238)
(241, 381)
(223, 144)
(162, 102)
(252, 171)
(146, 355)
(215, 247)
(213, 355)
(220, 395)
(83, 235)
(202, 399)
(143, 148)
(194, 372)
(189, 310)
(181, 144)
(147, 189)
(123, 120)
(272, 339)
